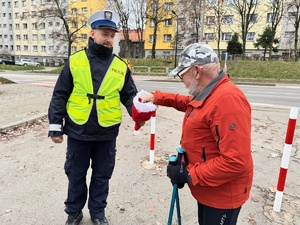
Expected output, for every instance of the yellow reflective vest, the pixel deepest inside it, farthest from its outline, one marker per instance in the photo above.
(107, 99)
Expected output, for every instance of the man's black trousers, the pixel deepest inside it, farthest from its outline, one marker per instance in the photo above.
(79, 154)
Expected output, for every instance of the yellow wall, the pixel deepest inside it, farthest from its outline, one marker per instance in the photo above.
(162, 29)
(92, 6)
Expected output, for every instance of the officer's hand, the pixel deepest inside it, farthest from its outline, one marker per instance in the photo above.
(57, 139)
(178, 174)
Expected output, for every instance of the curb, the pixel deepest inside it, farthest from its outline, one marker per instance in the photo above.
(22, 122)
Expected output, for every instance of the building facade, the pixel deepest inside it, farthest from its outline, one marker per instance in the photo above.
(28, 29)
(227, 22)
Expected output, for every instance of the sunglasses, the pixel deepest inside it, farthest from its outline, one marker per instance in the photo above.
(180, 74)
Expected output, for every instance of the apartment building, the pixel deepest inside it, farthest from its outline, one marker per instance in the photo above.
(27, 30)
(230, 24)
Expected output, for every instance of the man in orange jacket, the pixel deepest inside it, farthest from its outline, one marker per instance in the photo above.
(216, 135)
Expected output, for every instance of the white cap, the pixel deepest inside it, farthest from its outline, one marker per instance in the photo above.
(104, 19)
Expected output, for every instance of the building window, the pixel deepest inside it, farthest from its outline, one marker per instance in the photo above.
(3, 3)
(74, 11)
(17, 26)
(84, 36)
(154, 7)
(272, 17)
(253, 18)
(25, 26)
(168, 22)
(24, 3)
(34, 26)
(209, 36)
(226, 36)
(167, 37)
(26, 48)
(43, 37)
(35, 48)
(74, 24)
(18, 48)
(74, 49)
(292, 15)
(25, 37)
(169, 6)
(230, 2)
(210, 20)
(18, 37)
(17, 15)
(250, 36)
(50, 24)
(228, 19)
(152, 23)
(34, 37)
(16, 4)
(42, 26)
(151, 38)
(51, 47)
(84, 10)
(43, 48)
(10, 26)
(84, 23)
(33, 2)
(211, 2)
(289, 34)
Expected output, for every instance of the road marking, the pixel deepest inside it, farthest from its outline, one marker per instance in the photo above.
(44, 84)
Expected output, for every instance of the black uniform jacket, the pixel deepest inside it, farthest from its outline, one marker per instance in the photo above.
(100, 59)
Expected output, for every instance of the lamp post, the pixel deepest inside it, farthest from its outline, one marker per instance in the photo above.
(176, 39)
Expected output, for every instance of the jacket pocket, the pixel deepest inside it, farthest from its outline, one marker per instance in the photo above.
(203, 154)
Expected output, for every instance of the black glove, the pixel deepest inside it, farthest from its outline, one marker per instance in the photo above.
(178, 174)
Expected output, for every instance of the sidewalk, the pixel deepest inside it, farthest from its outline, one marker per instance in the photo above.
(33, 183)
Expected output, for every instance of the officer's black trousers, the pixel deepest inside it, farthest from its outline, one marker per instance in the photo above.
(79, 154)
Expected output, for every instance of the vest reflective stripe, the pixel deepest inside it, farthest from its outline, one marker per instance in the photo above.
(108, 109)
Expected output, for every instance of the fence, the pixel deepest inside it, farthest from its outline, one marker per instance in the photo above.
(151, 70)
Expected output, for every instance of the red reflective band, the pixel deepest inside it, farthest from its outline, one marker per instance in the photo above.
(290, 131)
(152, 136)
(281, 179)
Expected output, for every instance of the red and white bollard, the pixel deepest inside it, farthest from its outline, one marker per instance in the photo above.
(152, 137)
(285, 158)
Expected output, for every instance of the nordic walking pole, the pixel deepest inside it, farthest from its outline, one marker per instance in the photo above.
(173, 159)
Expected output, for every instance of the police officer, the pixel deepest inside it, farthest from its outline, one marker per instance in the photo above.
(86, 107)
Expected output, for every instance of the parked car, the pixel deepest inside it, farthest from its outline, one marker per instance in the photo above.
(27, 62)
(7, 62)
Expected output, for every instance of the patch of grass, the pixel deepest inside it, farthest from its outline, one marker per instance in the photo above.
(264, 70)
(20, 68)
(5, 81)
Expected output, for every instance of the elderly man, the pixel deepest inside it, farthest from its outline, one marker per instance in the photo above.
(216, 136)
(86, 106)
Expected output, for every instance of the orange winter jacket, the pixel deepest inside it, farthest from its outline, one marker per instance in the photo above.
(216, 135)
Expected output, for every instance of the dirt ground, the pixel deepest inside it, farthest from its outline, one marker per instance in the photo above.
(33, 184)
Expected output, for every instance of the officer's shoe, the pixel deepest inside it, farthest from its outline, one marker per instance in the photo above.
(74, 219)
(100, 221)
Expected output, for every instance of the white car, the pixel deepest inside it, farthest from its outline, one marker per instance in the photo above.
(27, 62)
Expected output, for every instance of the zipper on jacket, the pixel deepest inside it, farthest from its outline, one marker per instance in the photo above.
(203, 154)
(218, 140)
(189, 113)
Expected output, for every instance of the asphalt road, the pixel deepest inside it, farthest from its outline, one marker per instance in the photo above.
(282, 95)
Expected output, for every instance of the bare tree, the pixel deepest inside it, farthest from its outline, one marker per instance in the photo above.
(72, 19)
(122, 7)
(245, 9)
(155, 15)
(277, 11)
(293, 6)
(219, 11)
(139, 10)
(192, 11)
